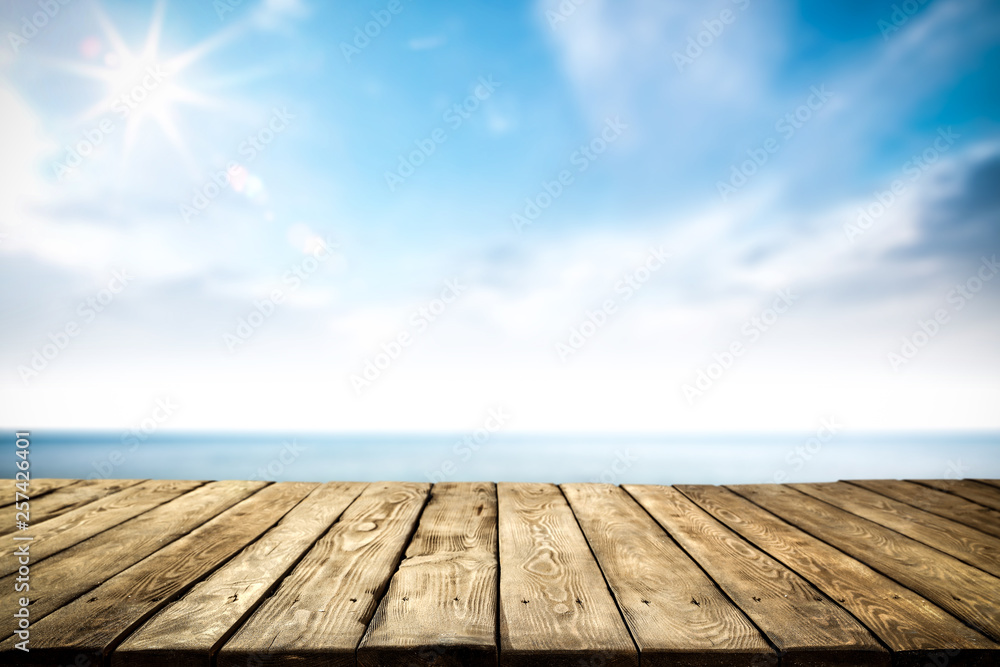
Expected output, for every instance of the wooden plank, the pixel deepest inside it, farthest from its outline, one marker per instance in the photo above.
(965, 591)
(36, 488)
(71, 573)
(441, 606)
(955, 539)
(95, 623)
(991, 482)
(320, 611)
(676, 614)
(77, 525)
(65, 499)
(982, 494)
(937, 502)
(554, 603)
(804, 625)
(908, 624)
(189, 631)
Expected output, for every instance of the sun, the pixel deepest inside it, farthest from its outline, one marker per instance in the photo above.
(142, 88)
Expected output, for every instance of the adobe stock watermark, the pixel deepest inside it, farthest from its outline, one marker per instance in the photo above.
(364, 34)
(913, 169)
(31, 25)
(956, 469)
(562, 12)
(271, 471)
(900, 16)
(581, 158)
(956, 299)
(786, 126)
(249, 149)
(470, 443)
(420, 320)
(705, 38)
(88, 311)
(751, 331)
(127, 101)
(163, 410)
(798, 456)
(620, 465)
(627, 287)
(453, 117)
(292, 279)
(224, 7)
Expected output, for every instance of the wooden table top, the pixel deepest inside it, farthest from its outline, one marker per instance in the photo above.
(132, 573)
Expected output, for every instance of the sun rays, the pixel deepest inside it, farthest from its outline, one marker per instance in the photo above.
(142, 88)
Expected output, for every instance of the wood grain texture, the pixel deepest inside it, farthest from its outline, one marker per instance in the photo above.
(189, 631)
(676, 614)
(320, 611)
(441, 606)
(71, 573)
(991, 482)
(95, 623)
(967, 592)
(248, 574)
(982, 494)
(62, 500)
(805, 626)
(554, 603)
(36, 488)
(77, 525)
(90, 623)
(955, 539)
(911, 626)
(937, 502)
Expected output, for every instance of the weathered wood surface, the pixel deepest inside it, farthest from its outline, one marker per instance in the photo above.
(908, 624)
(76, 495)
(677, 615)
(805, 626)
(321, 610)
(441, 605)
(553, 598)
(986, 495)
(36, 488)
(955, 539)
(937, 502)
(967, 592)
(77, 525)
(69, 574)
(227, 574)
(96, 622)
(191, 630)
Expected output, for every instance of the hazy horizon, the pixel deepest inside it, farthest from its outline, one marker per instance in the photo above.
(478, 454)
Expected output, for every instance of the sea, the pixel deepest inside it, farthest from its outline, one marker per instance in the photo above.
(478, 456)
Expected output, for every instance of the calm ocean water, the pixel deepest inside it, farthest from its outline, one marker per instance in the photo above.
(664, 459)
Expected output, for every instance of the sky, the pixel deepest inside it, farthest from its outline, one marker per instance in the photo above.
(591, 216)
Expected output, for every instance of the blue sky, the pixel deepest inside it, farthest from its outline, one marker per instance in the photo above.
(640, 216)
